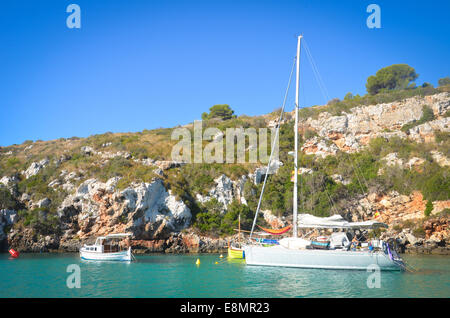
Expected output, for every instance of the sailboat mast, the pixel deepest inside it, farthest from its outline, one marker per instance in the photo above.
(239, 235)
(297, 82)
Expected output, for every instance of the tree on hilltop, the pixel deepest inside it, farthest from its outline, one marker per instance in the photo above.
(397, 76)
(444, 81)
(221, 111)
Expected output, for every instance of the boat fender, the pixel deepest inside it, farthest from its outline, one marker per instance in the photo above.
(14, 253)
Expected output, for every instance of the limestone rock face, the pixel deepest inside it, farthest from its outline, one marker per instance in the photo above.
(392, 159)
(394, 208)
(43, 203)
(425, 132)
(35, 168)
(147, 210)
(319, 147)
(165, 165)
(8, 181)
(88, 151)
(437, 229)
(440, 158)
(7, 218)
(339, 179)
(227, 190)
(274, 221)
(223, 191)
(351, 131)
(258, 175)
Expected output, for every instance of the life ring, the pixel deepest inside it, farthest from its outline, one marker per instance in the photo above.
(14, 253)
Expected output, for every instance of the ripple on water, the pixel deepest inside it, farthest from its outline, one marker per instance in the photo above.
(44, 275)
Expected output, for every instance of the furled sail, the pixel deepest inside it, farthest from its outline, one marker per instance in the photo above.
(334, 221)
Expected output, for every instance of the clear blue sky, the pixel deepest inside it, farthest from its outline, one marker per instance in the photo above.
(138, 65)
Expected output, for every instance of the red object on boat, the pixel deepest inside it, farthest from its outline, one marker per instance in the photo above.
(322, 239)
(14, 253)
(276, 232)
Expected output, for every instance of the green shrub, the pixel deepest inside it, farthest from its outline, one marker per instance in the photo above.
(116, 167)
(441, 136)
(7, 201)
(211, 220)
(419, 232)
(41, 220)
(434, 183)
(428, 208)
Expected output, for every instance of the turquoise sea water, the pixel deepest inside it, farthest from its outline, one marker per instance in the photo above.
(45, 275)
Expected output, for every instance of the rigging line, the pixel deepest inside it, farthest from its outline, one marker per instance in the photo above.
(357, 172)
(273, 146)
(325, 93)
(333, 205)
(319, 80)
(362, 175)
(330, 199)
(316, 73)
(357, 176)
(359, 180)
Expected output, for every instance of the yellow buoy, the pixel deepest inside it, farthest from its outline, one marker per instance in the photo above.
(217, 262)
(198, 261)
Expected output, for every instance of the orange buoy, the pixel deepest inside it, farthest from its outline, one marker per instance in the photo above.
(14, 253)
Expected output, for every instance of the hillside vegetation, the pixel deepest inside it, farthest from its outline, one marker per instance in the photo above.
(137, 157)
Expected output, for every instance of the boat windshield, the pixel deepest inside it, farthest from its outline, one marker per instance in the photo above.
(113, 245)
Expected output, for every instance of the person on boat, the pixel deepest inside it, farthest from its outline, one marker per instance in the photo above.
(355, 243)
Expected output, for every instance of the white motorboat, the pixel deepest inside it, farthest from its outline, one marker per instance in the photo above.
(300, 252)
(108, 248)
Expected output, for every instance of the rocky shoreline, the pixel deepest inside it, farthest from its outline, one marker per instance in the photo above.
(190, 242)
(177, 243)
(161, 224)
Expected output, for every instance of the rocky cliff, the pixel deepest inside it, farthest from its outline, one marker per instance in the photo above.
(354, 130)
(54, 198)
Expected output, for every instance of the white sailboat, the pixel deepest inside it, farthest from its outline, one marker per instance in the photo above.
(300, 252)
(107, 248)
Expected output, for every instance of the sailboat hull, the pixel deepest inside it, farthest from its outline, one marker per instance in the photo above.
(235, 253)
(325, 259)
